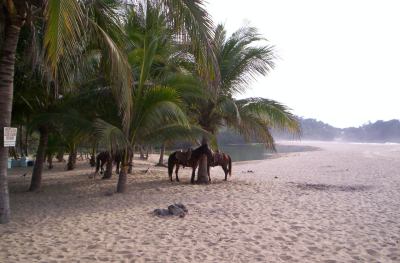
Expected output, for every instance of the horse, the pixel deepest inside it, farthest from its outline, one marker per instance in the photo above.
(220, 159)
(106, 156)
(191, 161)
(101, 159)
(119, 157)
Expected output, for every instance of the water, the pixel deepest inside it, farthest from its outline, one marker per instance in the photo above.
(257, 151)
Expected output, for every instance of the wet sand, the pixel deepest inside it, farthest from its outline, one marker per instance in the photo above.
(337, 204)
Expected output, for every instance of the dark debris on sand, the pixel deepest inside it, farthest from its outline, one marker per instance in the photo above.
(173, 210)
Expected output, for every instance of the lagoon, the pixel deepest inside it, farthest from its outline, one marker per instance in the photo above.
(257, 151)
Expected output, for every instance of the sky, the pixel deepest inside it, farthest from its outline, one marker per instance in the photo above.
(339, 60)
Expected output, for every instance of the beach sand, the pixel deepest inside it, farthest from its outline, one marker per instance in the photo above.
(340, 203)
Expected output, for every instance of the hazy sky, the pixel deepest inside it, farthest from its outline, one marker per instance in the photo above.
(339, 59)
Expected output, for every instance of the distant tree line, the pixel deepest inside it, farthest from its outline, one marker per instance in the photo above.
(312, 129)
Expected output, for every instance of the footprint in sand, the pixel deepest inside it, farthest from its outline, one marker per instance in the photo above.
(371, 252)
(285, 257)
(279, 238)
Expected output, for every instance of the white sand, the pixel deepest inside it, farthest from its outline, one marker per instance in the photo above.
(339, 204)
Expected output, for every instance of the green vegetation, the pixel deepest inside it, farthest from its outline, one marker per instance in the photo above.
(108, 75)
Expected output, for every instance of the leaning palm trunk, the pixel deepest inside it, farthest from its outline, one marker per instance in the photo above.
(36, 180)
(7, 62)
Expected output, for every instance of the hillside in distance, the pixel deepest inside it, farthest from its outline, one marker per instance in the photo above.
(312, 129)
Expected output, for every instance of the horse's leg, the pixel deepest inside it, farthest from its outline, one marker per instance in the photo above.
(176, 172)
(101, 167)
(208, 172)
(170, 174)
(193, 173)
(225, 171)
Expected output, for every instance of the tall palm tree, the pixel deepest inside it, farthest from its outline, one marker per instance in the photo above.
(63, 24)
(156, 109)
(241, 58)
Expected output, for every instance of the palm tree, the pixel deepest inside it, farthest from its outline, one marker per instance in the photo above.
(62, 24)
(156, 113)
(241, 58)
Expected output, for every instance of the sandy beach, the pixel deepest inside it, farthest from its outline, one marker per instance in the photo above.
(340, 203)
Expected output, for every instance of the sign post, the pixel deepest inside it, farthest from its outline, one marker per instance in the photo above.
(10, 136)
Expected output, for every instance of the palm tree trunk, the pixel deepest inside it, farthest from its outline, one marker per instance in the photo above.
(93, 157)
(72, 159)
(141, 151)
(122, 178)
(26, 141)
(60, 156)
(50, 161)
(7, 62)
(130, 160)
(20, 139)
(109, 165)
(36, 180)
(202, 173)
(161, 160)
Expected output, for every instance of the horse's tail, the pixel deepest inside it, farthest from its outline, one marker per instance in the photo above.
(230, 165)
(171, 163)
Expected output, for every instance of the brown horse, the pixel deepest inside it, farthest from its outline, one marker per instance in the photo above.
(192, 160)
(117, 157)
(220, 159)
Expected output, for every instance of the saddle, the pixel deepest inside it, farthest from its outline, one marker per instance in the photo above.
(184, 157)
(217, 157)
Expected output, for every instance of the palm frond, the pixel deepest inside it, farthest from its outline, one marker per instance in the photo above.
(187, 86)
(275, 114)
(120, 73)
(242, 58)
(110, 136)
(63, 34)
(174, 132)
(158, 106)
(193, 22)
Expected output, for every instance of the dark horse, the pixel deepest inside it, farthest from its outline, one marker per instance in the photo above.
(220, 159)
(193, 161)
(117, 157)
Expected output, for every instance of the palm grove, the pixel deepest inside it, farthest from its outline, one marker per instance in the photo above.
(109, 74)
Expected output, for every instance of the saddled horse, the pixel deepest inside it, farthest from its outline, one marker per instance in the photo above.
(106, 156)
(220, 159)
(191, 161)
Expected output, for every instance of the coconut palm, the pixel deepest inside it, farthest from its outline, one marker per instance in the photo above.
(63, 24)
(156, 113)
(241, 57)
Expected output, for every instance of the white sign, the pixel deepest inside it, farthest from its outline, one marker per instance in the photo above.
(10, 136)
